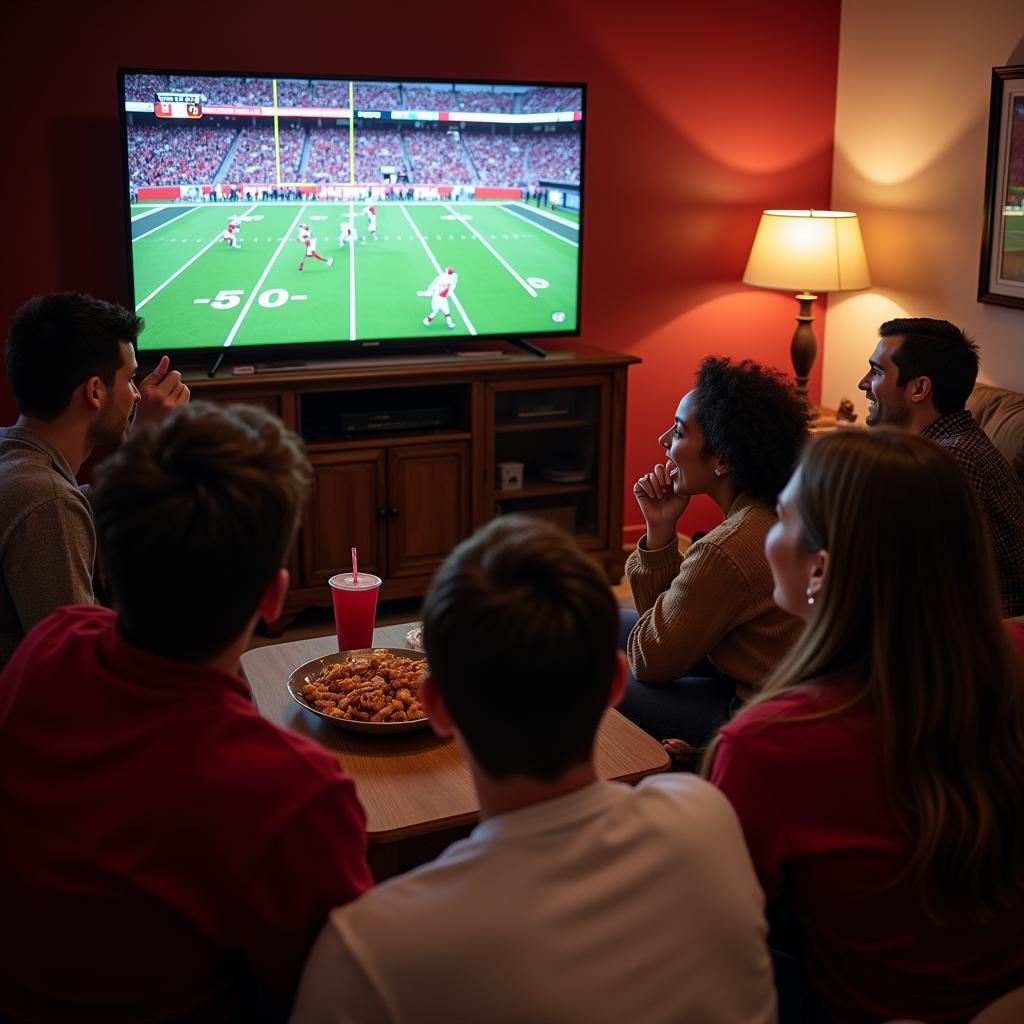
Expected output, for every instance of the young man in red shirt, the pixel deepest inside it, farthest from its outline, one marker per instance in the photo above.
(168, 853)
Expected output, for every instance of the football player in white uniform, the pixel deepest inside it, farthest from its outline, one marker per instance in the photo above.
(441, 289)
(348, 233)
(307, 239)
(231, 233)
(371, 221)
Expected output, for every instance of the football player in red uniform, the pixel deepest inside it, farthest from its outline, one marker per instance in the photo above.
(231, 233)
(307, 239)
(441, 289)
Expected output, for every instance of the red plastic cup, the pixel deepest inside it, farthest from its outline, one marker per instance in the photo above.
(355, 608)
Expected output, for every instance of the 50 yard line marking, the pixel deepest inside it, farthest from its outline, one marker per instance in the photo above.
(216, 238)
(494, 252)
(263, 277)
(437, 268)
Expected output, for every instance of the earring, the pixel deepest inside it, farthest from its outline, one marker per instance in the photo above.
(810, 596)
(718, 471)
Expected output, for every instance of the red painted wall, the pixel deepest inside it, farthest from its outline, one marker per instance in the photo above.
(699, 116)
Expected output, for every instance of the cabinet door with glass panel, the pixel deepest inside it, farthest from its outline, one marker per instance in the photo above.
(549, 452)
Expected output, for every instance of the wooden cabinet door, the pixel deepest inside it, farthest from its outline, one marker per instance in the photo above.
(428, 505)
(348, 507)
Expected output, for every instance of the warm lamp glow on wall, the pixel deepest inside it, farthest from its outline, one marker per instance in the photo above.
(807, 251)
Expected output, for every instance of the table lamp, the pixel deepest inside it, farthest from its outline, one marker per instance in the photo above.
(807, 251)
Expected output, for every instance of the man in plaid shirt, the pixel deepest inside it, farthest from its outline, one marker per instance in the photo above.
(921, 374)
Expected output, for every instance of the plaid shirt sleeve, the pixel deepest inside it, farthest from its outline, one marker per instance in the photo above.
(1000, 492)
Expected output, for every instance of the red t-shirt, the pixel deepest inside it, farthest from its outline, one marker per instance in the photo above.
(167, 852)
(813, 804)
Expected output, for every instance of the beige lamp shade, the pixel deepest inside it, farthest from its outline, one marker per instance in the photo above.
(808, 250)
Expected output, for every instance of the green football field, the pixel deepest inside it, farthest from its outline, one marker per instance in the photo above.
(1014, 234)
(1011, 265)
(516, 267)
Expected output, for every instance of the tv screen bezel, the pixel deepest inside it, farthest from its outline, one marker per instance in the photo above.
(334, 350)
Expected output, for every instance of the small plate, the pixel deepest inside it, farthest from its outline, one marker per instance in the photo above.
(308, 672)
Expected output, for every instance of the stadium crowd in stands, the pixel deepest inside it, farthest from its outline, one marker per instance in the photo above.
(170, 154)
(484, 101)
(537, 101)
(367, 95)
(498, 157)
(328, 156)
(328, 94)
(173, 155)
(380, 147)
(425, 98)
(436, 157)
(143, 88)
(216, 90)
(292, 93)
(254, 158)
(371, 96)
(554, 156)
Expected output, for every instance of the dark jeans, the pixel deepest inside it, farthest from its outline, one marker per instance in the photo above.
(690, 708)
(798, 1002)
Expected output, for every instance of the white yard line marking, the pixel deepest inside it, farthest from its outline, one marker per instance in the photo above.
(183, 268)
(534, 224)
(437, 268)
(494, 252)
(147, 213)
(351, 278)
(263, 277)
(173, 220)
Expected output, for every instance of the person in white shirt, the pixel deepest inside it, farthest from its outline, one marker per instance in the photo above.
(574, 899)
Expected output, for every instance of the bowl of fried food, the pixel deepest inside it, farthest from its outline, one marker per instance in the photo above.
(369, 690)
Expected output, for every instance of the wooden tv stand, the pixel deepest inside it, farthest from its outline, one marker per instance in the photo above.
(406, 455)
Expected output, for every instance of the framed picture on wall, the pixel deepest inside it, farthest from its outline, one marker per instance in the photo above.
(1002, 248)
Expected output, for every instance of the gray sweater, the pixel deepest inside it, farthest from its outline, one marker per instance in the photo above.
(47, 536)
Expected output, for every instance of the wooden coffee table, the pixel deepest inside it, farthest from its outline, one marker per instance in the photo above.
(416, 788)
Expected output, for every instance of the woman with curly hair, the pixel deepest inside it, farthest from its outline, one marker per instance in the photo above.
(878, 774)
(707, 630)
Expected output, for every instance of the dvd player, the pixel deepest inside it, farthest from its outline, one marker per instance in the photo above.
(390, 420)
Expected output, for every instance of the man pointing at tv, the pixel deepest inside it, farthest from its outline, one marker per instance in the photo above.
(71, 362)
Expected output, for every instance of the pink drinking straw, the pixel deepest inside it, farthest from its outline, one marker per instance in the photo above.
(355, 569)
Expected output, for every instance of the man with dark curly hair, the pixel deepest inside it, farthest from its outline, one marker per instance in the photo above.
(707, 630)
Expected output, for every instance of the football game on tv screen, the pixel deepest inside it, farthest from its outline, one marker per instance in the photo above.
(271, 211)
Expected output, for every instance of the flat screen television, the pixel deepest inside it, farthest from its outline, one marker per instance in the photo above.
(272, 214)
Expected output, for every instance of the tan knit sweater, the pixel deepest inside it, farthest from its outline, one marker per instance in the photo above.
(714, 601)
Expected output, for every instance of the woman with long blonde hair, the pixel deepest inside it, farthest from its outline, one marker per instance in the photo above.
(879, 774)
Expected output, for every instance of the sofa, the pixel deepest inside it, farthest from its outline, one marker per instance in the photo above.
(1000, 413)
